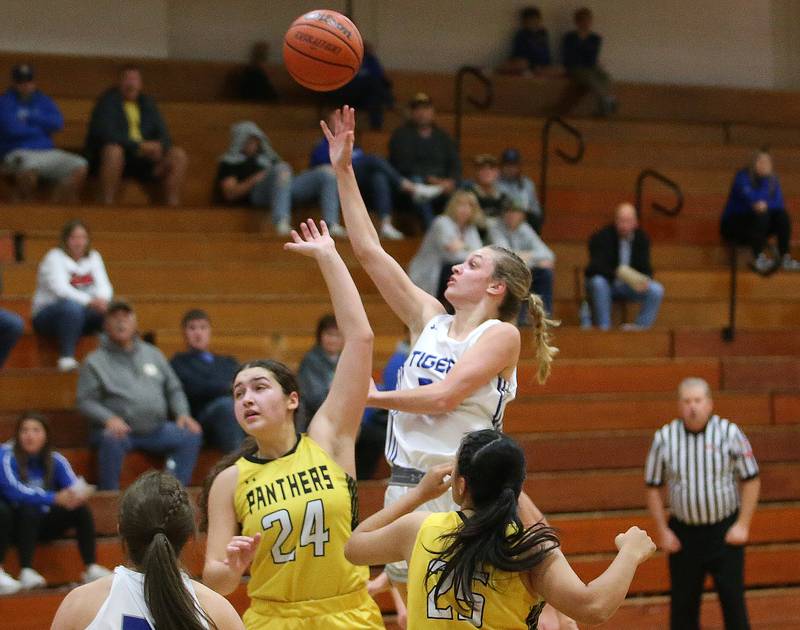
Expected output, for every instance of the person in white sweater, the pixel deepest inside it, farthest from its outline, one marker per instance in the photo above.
(72, 292)
(513, 232)
(448, 241)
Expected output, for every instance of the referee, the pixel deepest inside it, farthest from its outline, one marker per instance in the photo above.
(700, 456)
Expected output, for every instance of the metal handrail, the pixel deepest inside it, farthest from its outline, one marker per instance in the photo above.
(569, 159)
(484, 103)
(653, 174)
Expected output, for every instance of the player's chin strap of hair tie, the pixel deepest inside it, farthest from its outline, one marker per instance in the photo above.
(158, 530)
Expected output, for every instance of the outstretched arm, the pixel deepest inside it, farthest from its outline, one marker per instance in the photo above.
(411, 304)
(335, 425)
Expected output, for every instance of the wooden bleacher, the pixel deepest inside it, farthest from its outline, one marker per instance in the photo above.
(609, 391)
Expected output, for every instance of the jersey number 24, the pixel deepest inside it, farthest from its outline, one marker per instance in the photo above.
(313, 531)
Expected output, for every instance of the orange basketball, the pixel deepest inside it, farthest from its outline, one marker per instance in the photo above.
(322, 50)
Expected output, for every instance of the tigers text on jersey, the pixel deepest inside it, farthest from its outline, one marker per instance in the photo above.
(305, 506)
(502, 602)
(125, 608)
(421, 441)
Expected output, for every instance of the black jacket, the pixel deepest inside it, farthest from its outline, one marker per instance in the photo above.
(109, 125)
(604, 253)
(204, 382)
(413, 155)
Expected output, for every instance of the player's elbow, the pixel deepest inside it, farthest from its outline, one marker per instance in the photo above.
(595, 612)
(216, 580)
(351, 549)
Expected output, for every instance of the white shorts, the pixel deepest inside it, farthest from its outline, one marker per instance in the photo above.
(398, 571)
(49, 164)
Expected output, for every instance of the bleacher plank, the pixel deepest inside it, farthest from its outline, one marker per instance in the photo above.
(761, 373)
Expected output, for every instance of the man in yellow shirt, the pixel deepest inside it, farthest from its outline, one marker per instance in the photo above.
(128, 137)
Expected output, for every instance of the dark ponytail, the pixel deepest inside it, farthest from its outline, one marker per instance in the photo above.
(288, 382)
(493, 466)
(156, 520)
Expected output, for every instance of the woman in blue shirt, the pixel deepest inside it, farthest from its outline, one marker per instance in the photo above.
(45, 496)
(755, 211)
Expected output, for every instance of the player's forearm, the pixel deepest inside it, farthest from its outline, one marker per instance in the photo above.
(351, 319)
(363, 236)
(220, 577)
(608, 591)
(429, 399)
(750, 491)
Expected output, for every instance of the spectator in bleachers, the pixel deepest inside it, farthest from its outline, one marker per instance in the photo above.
(530, 48)
(11, 328)
(72, 292)
(370, 90)
(513, 232)
(581, 52)
(485, 187)
(424, 153)
(372, 437)
(379, 181)
(317, 368)
(255, 84)
(128, 392)
(518, 187)
(46, 498)
(251, 171)
(207, 379)
(28, 119)
(128, 137)
(619, 268)
(711, 506)
(755, 211)
(450, 239)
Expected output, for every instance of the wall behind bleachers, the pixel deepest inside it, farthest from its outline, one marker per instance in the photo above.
(714, 42)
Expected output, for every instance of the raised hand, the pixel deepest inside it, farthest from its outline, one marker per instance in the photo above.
(312, 242)
(342, 137)
(435, 482)
(240, 552)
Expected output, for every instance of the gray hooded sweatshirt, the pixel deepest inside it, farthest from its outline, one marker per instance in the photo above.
(240, 132)
(139, 386)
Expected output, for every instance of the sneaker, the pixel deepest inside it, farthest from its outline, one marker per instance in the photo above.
(8, 584)
(282, 228)
(762, 264)
(631, 327)
(426, 192)
(67, 364)
(390, 232)
(29, 578)
(337, 231)
(790, 264)
(94, 572)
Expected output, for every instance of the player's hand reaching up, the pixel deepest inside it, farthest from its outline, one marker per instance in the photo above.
(342, 137)
(312, 241)
(435, 482)
(240, 552)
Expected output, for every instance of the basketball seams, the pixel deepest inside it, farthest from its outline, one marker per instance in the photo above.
(330, 32)
(330, 63)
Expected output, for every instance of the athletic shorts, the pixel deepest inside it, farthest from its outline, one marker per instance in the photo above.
(50, 164)
(402, 480)
(354, 611)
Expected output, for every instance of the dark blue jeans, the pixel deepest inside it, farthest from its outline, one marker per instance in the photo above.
(220, 428)
(380, 180)
(67, 321)
(11, 328)
(181, 447)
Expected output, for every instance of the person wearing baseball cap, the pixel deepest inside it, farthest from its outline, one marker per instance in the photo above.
(518, 187)
(28, 119)
(424, 153)
(133, 400)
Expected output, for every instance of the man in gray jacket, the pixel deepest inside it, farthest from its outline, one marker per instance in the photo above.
(128, 392)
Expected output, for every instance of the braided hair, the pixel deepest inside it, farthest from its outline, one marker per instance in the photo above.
(156, 520)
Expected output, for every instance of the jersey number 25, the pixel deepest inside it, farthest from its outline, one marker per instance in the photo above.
(313, 531)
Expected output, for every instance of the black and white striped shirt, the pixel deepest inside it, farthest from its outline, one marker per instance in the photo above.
(701, 469)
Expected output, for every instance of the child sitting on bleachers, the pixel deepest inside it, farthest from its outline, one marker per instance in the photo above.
(46, 498)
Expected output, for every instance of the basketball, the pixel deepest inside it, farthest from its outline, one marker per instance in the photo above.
(322, 50)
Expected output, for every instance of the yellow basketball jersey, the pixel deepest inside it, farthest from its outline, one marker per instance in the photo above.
(305, 506)
(501, 600)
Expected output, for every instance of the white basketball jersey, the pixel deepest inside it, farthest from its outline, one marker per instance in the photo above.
(423, 440)
(125, 608)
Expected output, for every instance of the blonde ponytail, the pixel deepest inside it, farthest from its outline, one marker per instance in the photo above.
(542, 335)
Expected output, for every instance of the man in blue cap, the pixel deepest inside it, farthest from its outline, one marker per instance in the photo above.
(28, 119)
(519, 188)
